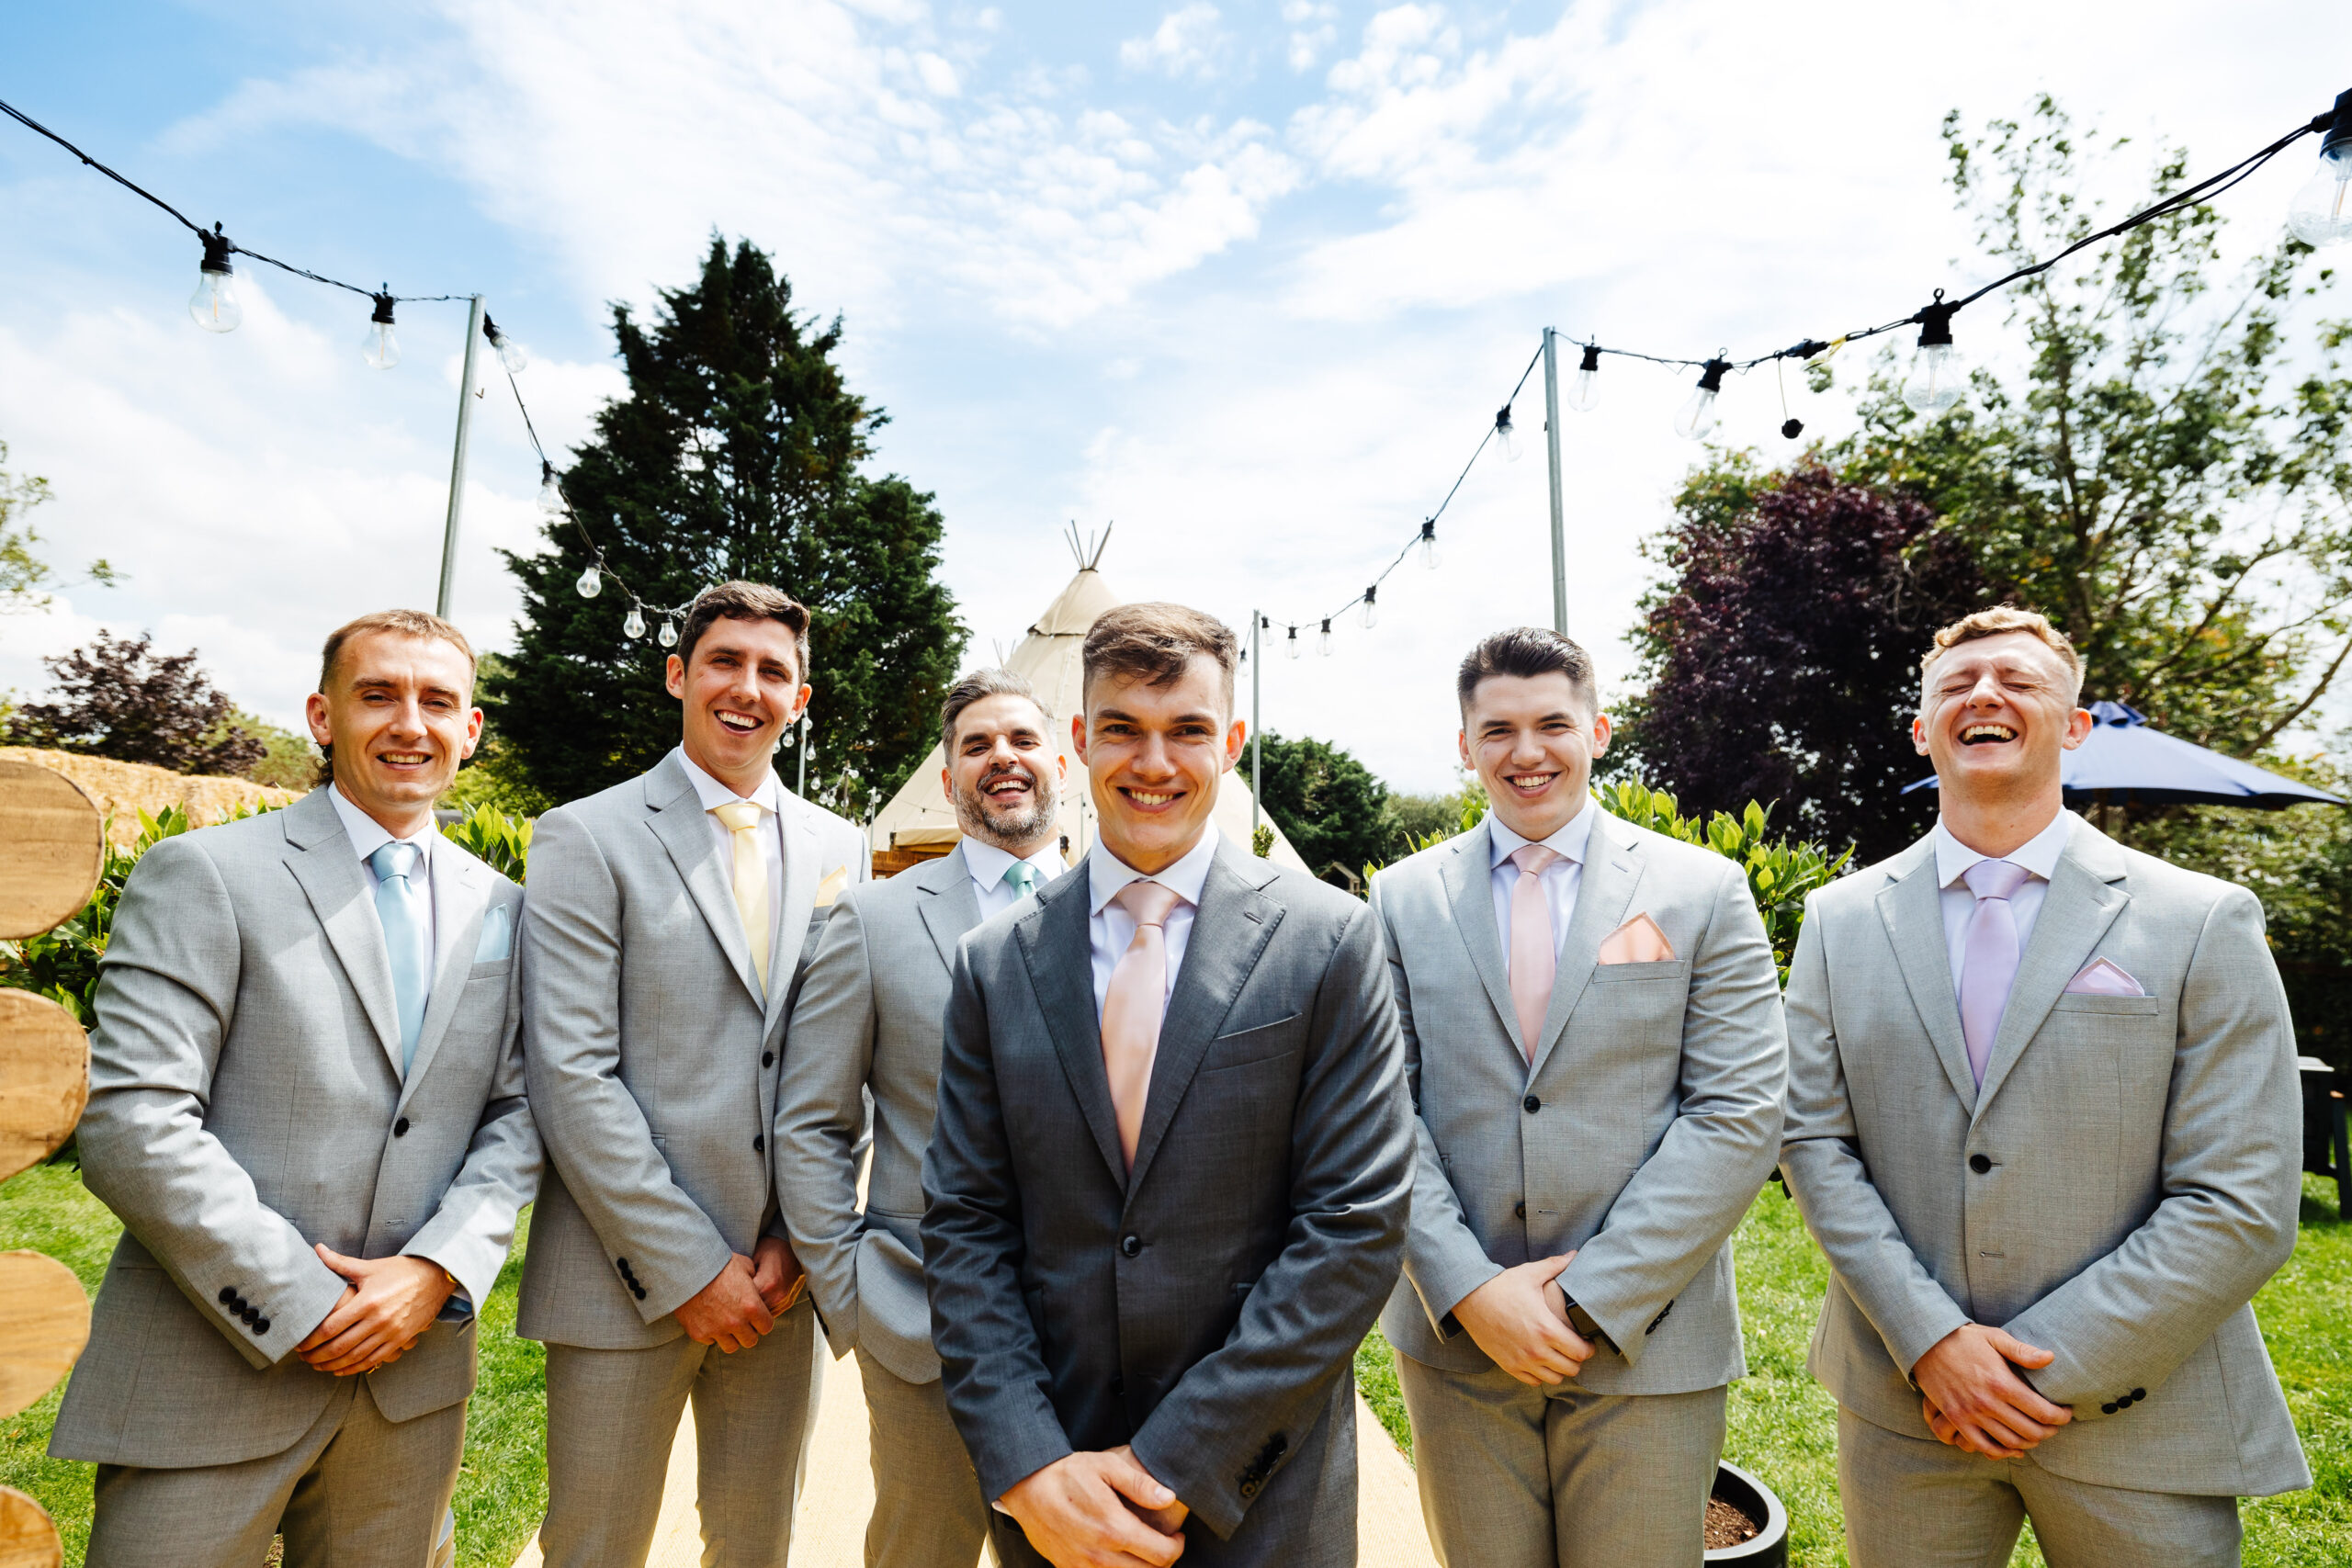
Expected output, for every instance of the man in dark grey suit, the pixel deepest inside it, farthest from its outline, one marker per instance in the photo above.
(867, 1022)
(1169, 1182)
(668, 919)
(305, 1105)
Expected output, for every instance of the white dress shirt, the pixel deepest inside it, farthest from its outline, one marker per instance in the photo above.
(987, 866)
(1110, 928)
(2037, 854)
(367, 836)
(769, 798)
(1561, 879)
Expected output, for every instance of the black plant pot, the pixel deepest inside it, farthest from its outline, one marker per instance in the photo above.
(1768, 1547)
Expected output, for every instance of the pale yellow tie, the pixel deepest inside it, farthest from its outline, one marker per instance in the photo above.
(741, 821)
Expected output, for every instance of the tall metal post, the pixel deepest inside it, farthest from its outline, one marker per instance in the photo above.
(1257, 741)
(1552, 448)
(802, 789)
(458, 461)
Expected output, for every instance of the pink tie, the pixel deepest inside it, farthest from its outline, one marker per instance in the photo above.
(1133, 1007)
(1988, 964)
(1534, 947)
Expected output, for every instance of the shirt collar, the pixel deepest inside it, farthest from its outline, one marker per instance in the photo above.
(1106, 873)
(367, 835)
(2039, 854)
(713, 794)
(987, 863)
(1574, 837)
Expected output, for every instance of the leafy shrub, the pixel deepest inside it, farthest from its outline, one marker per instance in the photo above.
(503, 841)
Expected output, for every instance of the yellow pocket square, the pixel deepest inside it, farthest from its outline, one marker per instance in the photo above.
(1638, 940)
(831, 888)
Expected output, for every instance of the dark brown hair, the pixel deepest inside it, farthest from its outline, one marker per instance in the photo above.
(1154, 643)
(979, 684)
(404, 623)
(1527, 652)
(741, 601)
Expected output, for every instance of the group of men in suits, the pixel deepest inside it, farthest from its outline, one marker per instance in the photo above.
(1104, 1169)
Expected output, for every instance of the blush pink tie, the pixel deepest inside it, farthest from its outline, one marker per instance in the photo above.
(1133, 1007)
(1534, 946)
(1988, 965)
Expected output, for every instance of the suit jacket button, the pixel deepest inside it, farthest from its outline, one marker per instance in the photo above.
(1249, 1489)
(759, 1142)
(228, 1295)
(1130, 1245)
(400, 1128)
(1519, 1210)
(2110, 1408)
(1531, 1104)
(261, 1327)
(1979, 1164)
(2138, 1394)
(767, 1058)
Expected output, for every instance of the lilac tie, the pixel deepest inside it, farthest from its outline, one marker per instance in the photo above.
(1534, 947)
(1988, 964)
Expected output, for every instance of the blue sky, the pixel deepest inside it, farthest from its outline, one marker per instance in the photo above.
(1248, 279)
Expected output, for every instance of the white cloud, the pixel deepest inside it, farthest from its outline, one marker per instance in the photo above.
(1189, 43)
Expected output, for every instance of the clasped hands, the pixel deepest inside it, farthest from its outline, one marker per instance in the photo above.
(740, 1308)
(386, 1306)
(1974, 1398)
(1519, 1318)
(1099, 1510)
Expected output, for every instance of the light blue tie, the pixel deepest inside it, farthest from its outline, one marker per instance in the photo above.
(400, 904)
(1023, 878)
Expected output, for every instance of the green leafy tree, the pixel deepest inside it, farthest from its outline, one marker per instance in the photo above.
(1328, 806)
(737, 453)
(119, 698)
(25, 576)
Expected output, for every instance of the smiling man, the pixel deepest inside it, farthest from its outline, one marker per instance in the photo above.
(2043, 1119)
(669, 916)
(867, 1022)
(1593, 1037)
(306, 1106)
(1168, 1184)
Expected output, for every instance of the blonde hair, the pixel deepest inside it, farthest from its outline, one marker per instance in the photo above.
(2003, 618)
(405, 623)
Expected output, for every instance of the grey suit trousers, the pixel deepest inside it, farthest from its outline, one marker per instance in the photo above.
(1942, 1508)
(928, 1511)
(1518, 1477)
(355, 1491)
(612, 1415)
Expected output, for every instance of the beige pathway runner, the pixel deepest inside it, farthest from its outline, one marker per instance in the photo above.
(838, 1492)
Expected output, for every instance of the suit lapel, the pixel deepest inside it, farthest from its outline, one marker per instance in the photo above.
(2085, 896)
(460, 898)
(1611, 871)
(801, 874)
(1911, 906)
(951, 908)
(1230, 930)
(1467, 873)
(342, 896)
(1059, 956)
(677, 821)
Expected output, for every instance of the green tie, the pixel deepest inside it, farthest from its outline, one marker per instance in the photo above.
(1023, 877)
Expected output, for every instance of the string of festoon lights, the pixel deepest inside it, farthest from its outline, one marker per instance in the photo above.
(2319, 215)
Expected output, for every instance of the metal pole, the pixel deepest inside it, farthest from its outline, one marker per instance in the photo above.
(1552, 448)
(1257, 741)
(458, 461)
(802, 791)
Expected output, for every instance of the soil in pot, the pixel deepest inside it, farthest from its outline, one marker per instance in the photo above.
(1727, 1526)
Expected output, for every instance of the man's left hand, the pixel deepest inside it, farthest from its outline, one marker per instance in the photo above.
(392, 1303)
(776, 1274)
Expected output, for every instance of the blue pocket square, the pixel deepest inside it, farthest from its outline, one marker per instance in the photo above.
(497, 944)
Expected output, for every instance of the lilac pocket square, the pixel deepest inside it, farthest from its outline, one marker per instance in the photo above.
(2104, 977)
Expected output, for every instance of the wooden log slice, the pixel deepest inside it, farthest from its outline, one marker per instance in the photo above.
(44, 1078)
(44, 1323)
(52, 847)
(28, 1534)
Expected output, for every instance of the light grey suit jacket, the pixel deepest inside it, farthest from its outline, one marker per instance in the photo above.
(653, 1054)
(1644, 1130)
(246, 1101)
(868, 1018)
(2121, 1185)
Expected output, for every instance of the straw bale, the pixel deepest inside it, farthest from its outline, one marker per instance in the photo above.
(125, 789)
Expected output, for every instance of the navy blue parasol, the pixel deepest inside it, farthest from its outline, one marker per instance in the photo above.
(2125, 762)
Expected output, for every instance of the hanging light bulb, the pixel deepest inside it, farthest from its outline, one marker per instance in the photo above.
(1583, 389)
(634, 626)
(590, 583)
(1372, 606)
(1507, 434)
(214, 304)
(1430, 560)
(668, 636)
(1323, 645)
(2321, 213)
(550, 493)
(512, 355)
(1291, 643)
(1698, 416)
(1938, 374)
(379, 348)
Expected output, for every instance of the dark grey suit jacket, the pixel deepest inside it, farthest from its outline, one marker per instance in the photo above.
(1207, 1307)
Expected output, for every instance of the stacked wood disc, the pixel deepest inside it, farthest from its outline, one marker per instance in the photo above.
(52, 849)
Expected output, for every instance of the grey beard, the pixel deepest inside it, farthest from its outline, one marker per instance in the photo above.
(1006, 833)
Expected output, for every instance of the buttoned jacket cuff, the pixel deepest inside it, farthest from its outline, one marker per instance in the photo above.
(1443, 1289)
(1913, 1334)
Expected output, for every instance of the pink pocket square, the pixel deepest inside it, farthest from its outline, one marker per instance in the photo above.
(1638, 940)
(2104, 977)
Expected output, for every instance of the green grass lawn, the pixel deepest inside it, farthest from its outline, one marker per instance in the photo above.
(1783, 1425)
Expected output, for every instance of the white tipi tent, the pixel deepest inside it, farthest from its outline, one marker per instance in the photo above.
(919, 819)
